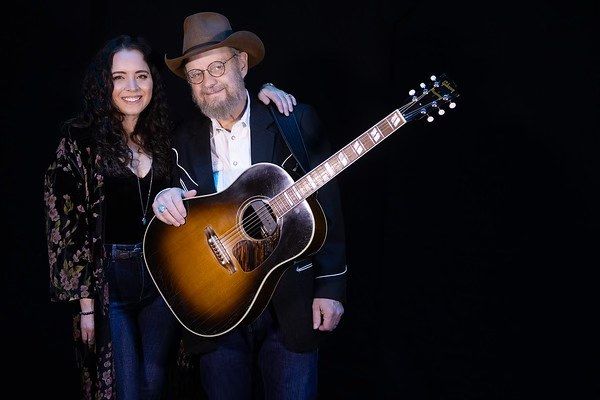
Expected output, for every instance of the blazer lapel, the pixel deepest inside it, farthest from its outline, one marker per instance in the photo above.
(263, 132)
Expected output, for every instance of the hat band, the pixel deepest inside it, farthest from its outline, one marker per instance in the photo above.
(199, 46)
(216, 39)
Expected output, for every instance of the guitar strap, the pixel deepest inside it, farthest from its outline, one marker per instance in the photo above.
(290, 131)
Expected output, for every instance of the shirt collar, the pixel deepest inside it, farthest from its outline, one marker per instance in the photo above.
(244, 120)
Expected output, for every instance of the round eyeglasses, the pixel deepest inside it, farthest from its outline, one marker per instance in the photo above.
(215, 69)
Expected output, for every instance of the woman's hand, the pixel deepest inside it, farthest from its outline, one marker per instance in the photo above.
(285, 102)
(87, 329)
(87, 321)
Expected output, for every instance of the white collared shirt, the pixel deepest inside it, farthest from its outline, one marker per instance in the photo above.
(230, 151)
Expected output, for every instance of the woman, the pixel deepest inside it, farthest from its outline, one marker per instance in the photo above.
(113, 159)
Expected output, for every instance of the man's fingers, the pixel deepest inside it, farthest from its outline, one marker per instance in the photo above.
(284, 104)
(290, 103)
(189, 193)
(263, 97)
(181, 212)
(172, 214)
(169, 207)
(316, 316)
(327, 324)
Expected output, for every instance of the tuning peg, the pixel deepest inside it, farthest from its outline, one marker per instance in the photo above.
(411, 92)
(422, 85)
(452, 105)
(430, 118)
(441, 111)
(433, 77)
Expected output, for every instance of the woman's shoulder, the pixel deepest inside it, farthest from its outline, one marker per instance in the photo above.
(75, 137)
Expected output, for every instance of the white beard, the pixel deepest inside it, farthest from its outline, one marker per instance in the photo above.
(224, 109)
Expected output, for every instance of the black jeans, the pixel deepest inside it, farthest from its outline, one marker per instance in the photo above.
(143, 329)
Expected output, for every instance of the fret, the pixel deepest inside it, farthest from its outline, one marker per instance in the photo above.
(389, 124)
(296, 194)
(385, 128)
(329, 169)
(311, 182)
(324, 175)
(396, 120)
(350, 153)
(301, 185)
(336, 163)
(366, 141)
(343, 158)
(307, 187)
(316, 174)
(275, 207)
(287, 198)
(358, 147)
(375, 135)
(283, 205)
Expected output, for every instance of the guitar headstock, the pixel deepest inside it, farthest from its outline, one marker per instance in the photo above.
(431, 99)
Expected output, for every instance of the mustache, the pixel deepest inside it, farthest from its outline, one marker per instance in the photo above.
(212, 90)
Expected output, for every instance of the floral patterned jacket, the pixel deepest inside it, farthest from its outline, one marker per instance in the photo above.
(74, 198)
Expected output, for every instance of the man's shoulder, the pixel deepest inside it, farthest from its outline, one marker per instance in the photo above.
(301, 110)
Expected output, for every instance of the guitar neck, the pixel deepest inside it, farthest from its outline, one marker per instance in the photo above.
(328, 169)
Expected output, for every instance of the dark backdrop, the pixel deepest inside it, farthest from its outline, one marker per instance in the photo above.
(472, 241)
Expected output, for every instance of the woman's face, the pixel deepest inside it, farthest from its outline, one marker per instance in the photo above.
(132, 82)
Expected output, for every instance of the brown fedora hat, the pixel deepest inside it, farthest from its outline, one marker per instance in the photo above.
(208, 30)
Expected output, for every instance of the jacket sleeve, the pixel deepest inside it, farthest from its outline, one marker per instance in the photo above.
(66, 200)
(330, 260)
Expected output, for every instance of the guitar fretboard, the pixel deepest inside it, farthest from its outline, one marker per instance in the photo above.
(328, 169)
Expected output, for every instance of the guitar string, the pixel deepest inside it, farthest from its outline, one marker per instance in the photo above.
(254, 220)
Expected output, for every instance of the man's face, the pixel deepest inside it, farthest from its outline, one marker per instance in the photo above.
(220, 97)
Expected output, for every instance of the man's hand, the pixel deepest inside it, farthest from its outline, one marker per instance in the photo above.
(285, 102)
(168, 206)
(326, 314)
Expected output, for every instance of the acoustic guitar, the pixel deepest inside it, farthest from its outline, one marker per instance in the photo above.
(220, 268)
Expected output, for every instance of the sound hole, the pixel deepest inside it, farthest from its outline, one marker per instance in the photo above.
(258, 220)
(259, 223)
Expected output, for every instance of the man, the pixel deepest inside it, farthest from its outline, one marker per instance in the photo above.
(213, 149)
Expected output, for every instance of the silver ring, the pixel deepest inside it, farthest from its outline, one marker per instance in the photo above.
(161, 208)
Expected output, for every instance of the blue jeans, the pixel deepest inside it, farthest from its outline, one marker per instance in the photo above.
(252, 361)
(142, 327)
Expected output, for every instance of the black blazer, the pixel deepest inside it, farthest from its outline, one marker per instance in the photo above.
(324, 274)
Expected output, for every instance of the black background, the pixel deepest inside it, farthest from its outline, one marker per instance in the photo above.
(472, 241)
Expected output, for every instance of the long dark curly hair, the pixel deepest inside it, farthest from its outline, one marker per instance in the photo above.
(104, 120)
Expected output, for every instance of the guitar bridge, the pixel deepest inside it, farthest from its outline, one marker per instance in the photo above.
(219, 250)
